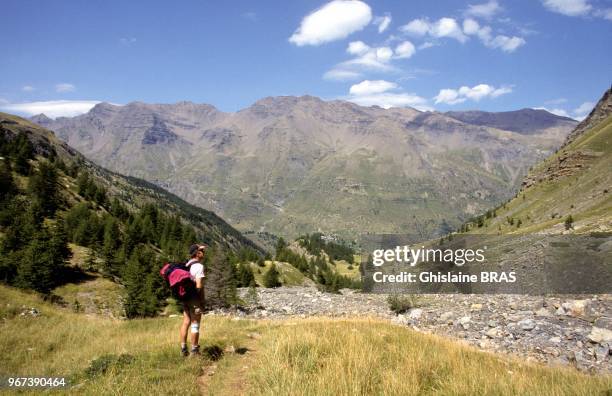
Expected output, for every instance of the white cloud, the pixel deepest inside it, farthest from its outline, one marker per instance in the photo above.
(427, 44)
(604, 13)
(417, 27)
(382, 22)
(27, 88)
(341, 75)
(448, 27)
(368, 58)
(65, 87)
(388, 100)
(485, 10)
(52, 108)
(475, 93)
(584, 109)
(384, 54)
(368, 87)
(334, 21)
(558, 112)
(443, 27)
(505, 43)
(568, 7)
(357, 48)
(376, 93)
(470, 26)
(405, 50)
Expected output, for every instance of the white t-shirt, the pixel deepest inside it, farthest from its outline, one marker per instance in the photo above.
(196, 270)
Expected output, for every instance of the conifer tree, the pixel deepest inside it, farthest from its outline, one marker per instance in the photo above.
(220, 281)
(271, 278)
(43, 186)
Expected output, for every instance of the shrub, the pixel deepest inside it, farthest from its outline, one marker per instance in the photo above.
(400, 303)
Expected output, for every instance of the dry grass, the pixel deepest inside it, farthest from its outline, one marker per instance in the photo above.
(296, 357)
(372, 357)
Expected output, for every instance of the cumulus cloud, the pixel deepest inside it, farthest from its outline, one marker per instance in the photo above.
(405, 50)
(382, 22)
(475, 93)
(367, 58)
(52, 108)
(341, 75)
(65, 87)
(368, 87)
(583, 110)
(333, 21)
(568, 7)
(443, 27)
(377, 93)
(507, 44)
(485, 10)
(27, 88)
(417, 27)
(357, 48)
(449, 27)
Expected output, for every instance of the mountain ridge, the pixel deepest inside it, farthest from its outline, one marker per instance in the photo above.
(293, 165)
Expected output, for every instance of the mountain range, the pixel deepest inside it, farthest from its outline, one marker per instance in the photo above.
(291, 165)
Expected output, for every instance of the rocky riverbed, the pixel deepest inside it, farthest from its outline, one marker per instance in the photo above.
(553, 330)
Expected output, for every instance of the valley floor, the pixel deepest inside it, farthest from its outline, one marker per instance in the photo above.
(298, 356)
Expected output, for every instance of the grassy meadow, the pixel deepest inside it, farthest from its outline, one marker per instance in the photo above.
(317, 356)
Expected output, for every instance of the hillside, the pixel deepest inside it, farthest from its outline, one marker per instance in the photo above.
(130, 191)
(75, 231)
(100, 356)
(294, 165)
(574, 182)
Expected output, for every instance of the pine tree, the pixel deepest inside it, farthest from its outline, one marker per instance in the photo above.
(220, 282)
(271, 278)
(43, 262)
(244, 275)
(7, 184)
(43, 186)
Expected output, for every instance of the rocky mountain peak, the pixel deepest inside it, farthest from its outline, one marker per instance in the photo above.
(525, 121)
(600, 112)
(41, 119)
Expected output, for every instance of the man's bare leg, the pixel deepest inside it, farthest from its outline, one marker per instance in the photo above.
(185, 327)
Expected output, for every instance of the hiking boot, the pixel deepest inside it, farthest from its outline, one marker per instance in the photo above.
(195, 350)
(184, 351)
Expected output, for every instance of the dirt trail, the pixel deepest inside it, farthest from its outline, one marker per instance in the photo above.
(245, 357)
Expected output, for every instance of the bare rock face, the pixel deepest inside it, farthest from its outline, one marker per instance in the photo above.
(158, 133)
(291, 165)
(600, 112)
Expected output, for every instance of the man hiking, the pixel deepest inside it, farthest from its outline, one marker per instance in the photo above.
(193, 306)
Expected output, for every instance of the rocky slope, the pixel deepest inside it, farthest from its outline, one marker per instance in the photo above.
(575, 181)
(291, 165)
(555, 330)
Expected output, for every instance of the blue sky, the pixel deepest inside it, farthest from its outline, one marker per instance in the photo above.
(61, 57)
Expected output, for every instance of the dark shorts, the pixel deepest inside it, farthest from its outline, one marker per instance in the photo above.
(193, 306)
